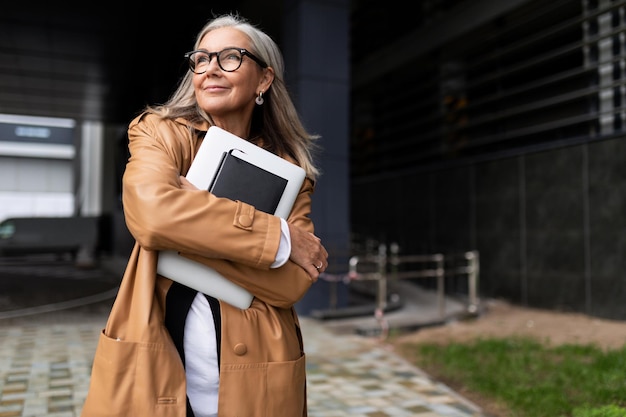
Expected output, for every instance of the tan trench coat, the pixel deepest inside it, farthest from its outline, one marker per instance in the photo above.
(137, 371)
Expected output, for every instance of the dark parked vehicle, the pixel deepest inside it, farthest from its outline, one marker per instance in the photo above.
(52, 235)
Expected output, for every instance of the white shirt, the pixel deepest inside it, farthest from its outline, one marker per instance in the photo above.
(200, 344)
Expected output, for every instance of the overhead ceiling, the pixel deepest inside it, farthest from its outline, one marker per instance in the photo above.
(93, 61)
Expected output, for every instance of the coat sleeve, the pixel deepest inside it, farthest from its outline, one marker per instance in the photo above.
(280, 287)
(162, 216)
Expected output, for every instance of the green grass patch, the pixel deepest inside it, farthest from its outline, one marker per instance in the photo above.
(531, 379)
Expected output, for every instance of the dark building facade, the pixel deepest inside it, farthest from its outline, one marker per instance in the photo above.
(498, 127)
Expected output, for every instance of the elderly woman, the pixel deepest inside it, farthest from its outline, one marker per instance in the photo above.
(168, 350)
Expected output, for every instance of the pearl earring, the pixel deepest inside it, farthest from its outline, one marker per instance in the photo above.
(259, 100)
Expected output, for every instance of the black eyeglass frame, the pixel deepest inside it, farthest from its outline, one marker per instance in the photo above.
(242, 51)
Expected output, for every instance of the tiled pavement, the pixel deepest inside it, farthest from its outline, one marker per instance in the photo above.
(45, 362)
(357, 376)
(44, 371)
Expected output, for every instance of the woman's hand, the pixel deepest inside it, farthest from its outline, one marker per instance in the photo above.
(308, 252)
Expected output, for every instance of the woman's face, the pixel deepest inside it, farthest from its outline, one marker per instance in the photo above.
(229, 96)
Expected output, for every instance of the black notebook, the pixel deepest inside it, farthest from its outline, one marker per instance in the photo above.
(238, 179)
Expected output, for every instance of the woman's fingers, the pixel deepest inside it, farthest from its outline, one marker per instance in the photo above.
(308, 252)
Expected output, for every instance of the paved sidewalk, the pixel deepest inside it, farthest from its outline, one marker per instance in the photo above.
(45, 367)
(355, 376)
(46, 352)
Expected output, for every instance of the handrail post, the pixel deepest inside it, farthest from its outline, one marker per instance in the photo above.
(472, 276)
(381, 303)
(352, 267)
(394, 250)
(382, 281)
(441, 291)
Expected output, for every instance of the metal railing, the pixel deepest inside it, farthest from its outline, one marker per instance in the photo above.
(383, 267)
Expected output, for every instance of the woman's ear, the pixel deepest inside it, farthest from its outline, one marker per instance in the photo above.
(267, 79)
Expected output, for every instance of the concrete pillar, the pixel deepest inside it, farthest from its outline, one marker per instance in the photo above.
(315, 44)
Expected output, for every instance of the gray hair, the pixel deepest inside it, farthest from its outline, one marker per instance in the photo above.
(277, 121)
(262, 44)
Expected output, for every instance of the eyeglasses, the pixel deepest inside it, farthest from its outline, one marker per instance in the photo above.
(228, 59)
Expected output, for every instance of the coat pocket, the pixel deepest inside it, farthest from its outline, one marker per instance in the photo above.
(134, 378)
(263, 389)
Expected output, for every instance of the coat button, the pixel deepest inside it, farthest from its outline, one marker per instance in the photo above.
(240, 349)
(245, 220)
